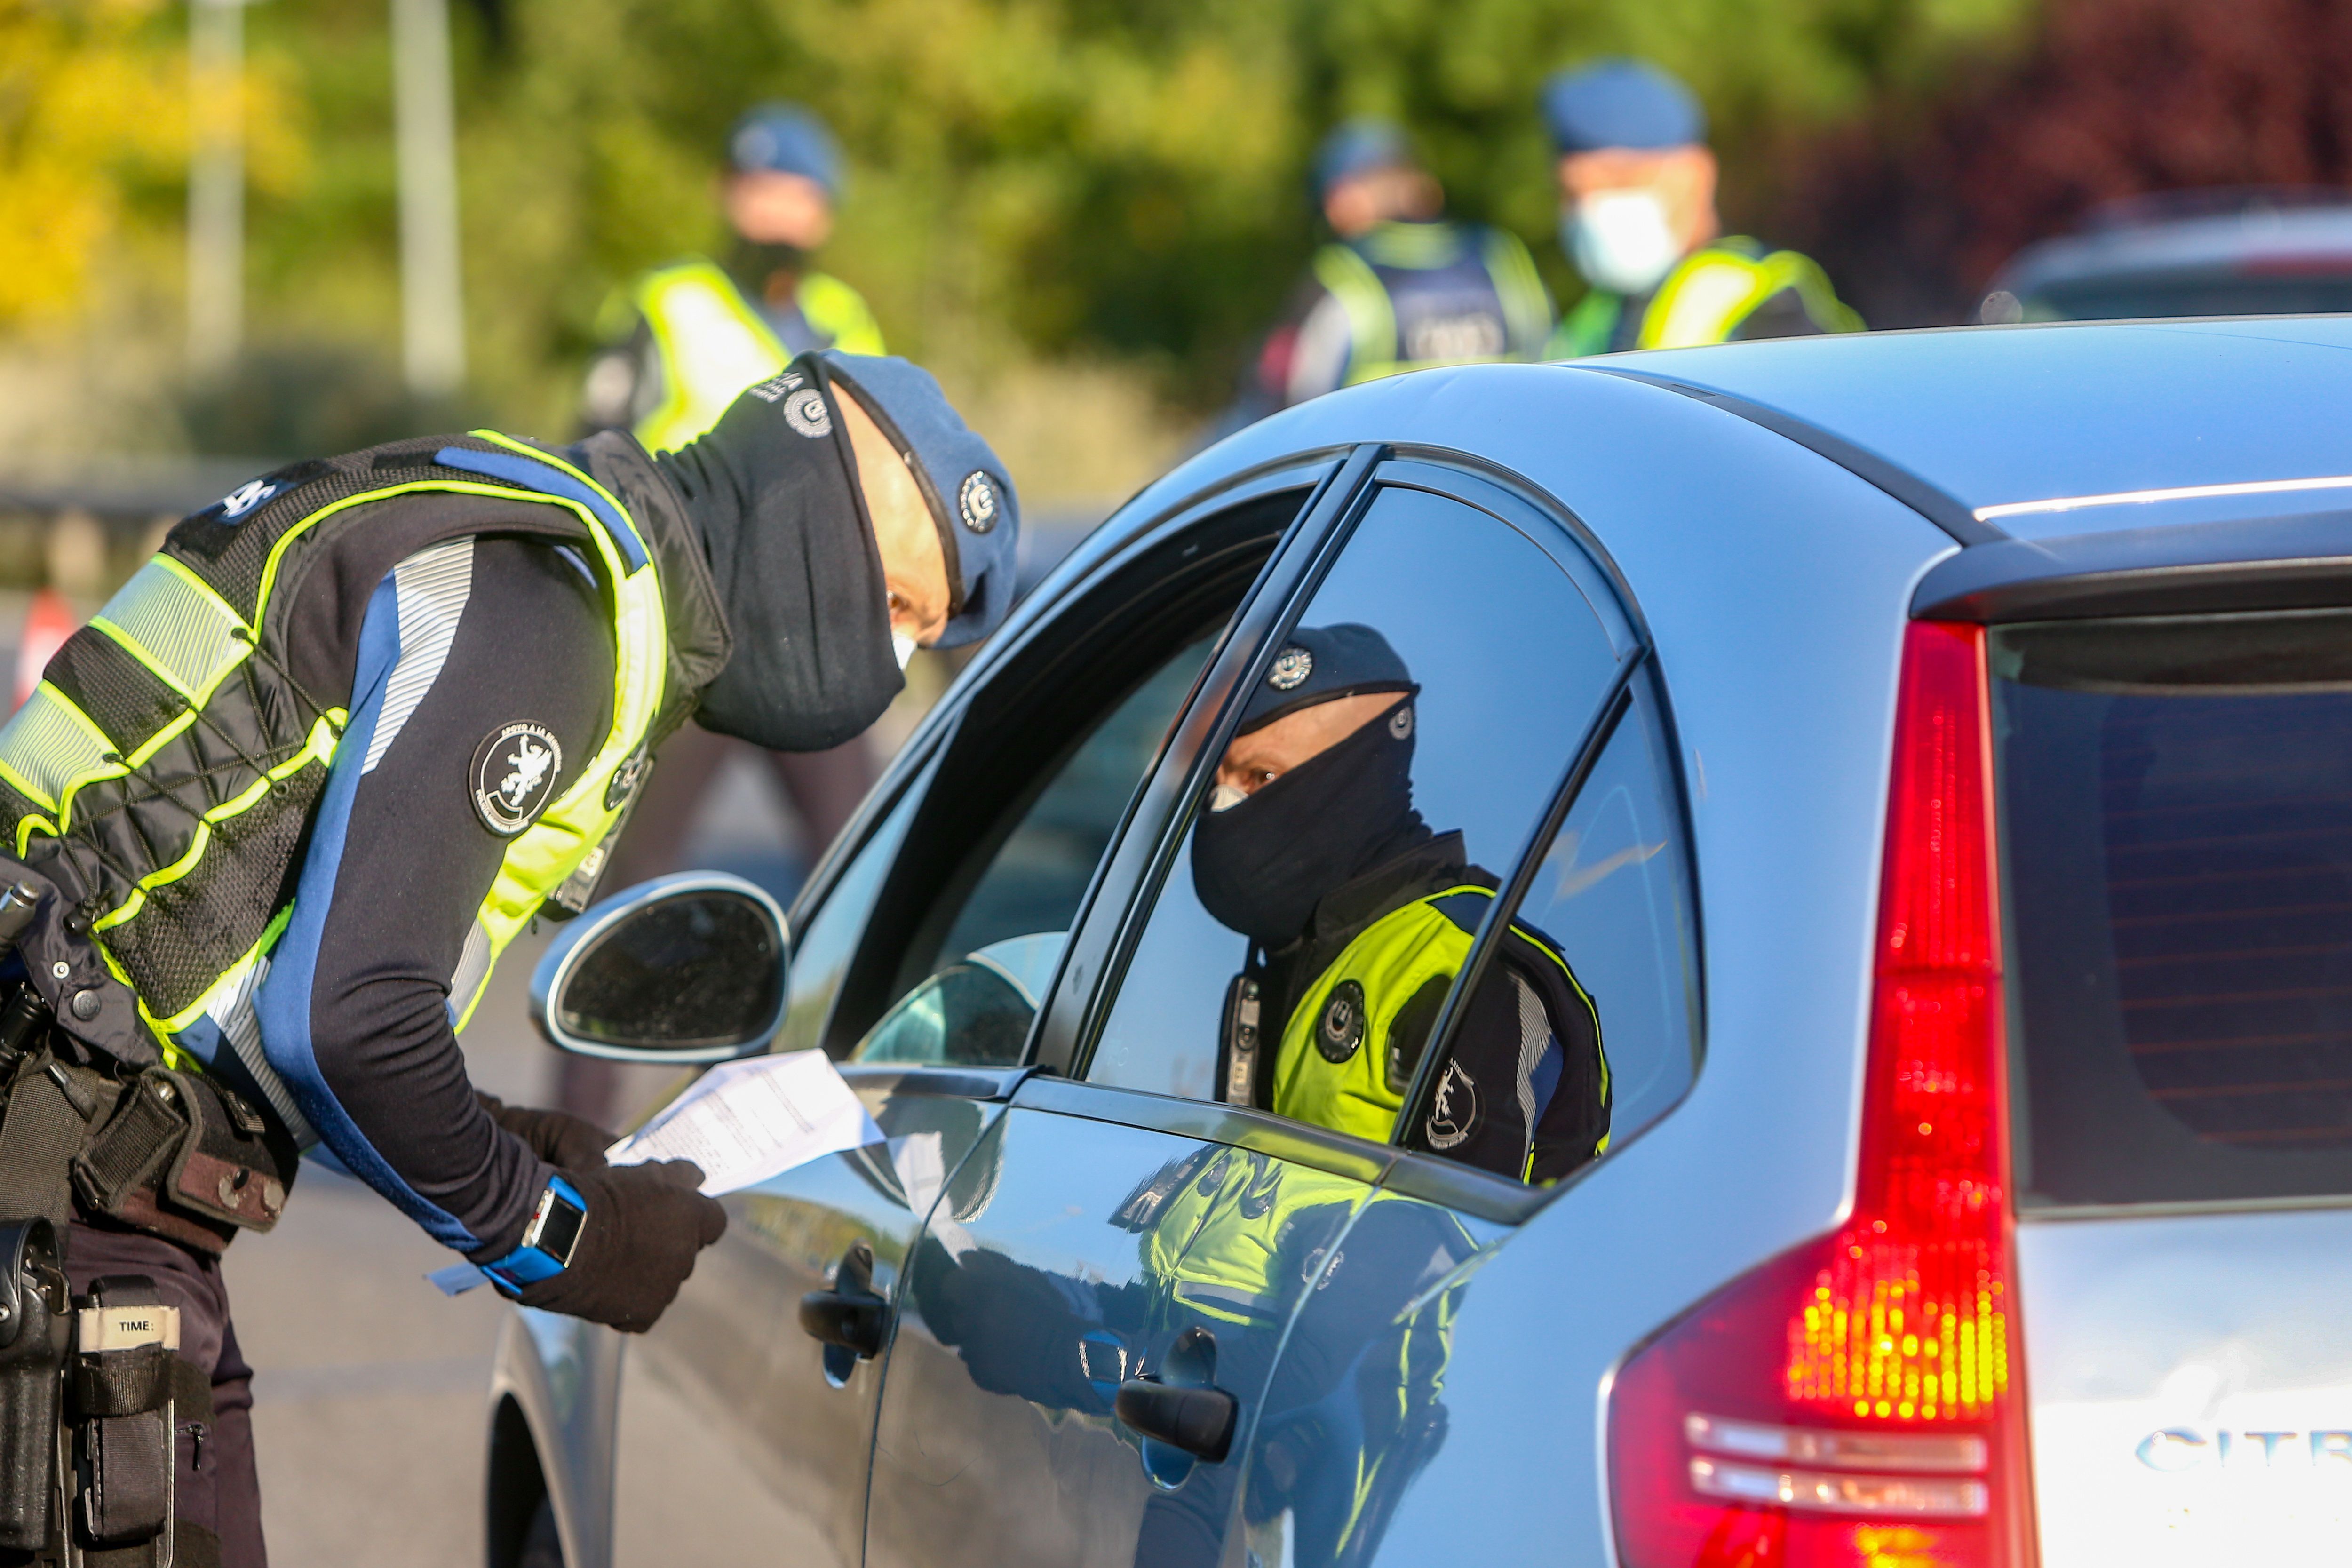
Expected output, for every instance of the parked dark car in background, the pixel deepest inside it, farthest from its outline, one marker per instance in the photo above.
(2187, 253)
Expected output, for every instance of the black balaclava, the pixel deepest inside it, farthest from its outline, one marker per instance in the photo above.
(772, 489)
(1262, 864)
(751, 262)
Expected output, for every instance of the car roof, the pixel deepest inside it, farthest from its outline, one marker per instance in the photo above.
(2010, 420)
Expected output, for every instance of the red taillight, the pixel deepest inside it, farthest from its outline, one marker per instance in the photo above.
(1854, 1401)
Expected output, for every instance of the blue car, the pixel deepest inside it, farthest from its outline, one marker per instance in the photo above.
(1930, 754)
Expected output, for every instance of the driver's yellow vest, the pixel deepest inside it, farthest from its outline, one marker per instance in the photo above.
(177, 761)
(713, 344)
(1339, 1064)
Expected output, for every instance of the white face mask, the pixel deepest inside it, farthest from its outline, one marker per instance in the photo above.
(1621, 240)
(1226, 797)
(903, 646)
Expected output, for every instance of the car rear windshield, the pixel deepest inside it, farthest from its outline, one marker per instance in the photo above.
(2176, 843)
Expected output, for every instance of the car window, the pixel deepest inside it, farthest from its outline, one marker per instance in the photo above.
(991, 970)
(820, 952)
(2176, 799)
(1038, 765)
(1386, 775)
(1611, 894)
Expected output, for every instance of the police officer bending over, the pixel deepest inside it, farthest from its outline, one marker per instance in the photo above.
(1358, 918)
(287, 798)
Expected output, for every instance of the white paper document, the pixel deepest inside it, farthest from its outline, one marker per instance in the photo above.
(744, 1122)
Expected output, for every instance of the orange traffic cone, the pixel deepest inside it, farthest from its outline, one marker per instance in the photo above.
(46, 626)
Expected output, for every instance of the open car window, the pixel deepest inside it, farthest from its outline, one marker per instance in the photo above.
(1041, 767)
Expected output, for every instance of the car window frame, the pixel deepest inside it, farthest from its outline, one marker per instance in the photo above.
(935, 740)
(1107, 934)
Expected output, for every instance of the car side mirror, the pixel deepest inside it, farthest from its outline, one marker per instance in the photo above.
(688, 968)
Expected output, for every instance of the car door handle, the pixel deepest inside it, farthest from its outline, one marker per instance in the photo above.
(850, 1316)
(1200, 1421)
(854, 1320)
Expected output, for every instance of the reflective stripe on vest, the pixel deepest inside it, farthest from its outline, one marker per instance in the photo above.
(1715, 290)
(177, 918)
(1706, 298)
(713, 343)
(840, 313)
(1353, 278)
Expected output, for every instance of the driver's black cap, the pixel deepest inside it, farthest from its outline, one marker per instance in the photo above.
(1320, 664)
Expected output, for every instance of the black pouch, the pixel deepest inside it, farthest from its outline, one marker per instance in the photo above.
(126, 1389)
(181, 1156)
(232, 1167)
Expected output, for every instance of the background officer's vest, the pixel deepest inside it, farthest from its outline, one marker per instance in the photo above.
(1423, 294)
(171, 750)
(1343, 1063)
(1705, 299)
(713, 343)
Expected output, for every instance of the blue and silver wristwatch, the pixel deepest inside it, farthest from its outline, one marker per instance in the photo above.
(548, 1241)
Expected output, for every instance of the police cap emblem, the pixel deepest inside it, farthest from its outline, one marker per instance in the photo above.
(1291, 669)
(805, 412)
(1341, 1029)
(514, 775)
(976, 499)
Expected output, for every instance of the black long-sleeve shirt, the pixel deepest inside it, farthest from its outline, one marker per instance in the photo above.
(455, 645)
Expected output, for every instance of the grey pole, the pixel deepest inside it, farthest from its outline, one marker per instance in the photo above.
(432, 307)
(215, 184)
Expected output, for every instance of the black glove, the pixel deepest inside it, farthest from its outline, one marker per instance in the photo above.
(558, 1137)
(645, 1224)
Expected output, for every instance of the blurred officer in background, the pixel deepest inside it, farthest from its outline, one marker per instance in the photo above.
(688, 337)
(1401, 287)
(1637, 188)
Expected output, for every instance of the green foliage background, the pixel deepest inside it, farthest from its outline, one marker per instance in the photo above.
(1112, 181)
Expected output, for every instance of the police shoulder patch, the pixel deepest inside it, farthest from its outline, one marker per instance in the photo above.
(1341, 1029)
(1455, 1116)
(513, 775)
(976, 499)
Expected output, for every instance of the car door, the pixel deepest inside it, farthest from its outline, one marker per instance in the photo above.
(1119, 1222)
(740, 1437)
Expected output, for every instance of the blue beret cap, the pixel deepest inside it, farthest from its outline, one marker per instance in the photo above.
(1320, 664)
(785, 139)
(1621, 103)
(971, 496)
(1358, 147)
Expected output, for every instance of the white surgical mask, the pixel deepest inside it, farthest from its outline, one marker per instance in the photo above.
(903, 646)
(1619, 240)
(1226, 797)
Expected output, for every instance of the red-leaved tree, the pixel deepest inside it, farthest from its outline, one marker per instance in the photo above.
(1914, 209)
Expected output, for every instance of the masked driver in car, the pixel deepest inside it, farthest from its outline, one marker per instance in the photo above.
(1359, 916)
